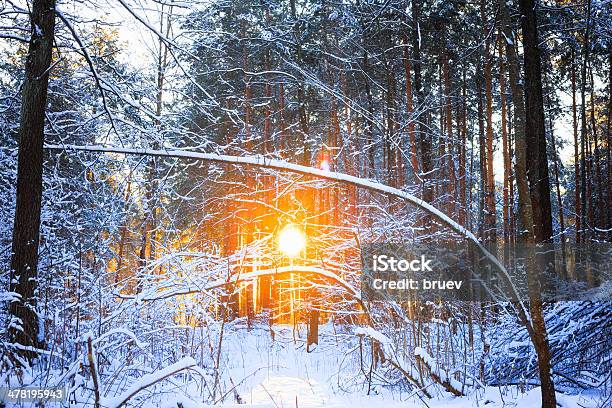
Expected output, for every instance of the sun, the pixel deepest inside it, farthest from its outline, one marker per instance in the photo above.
(291, 241)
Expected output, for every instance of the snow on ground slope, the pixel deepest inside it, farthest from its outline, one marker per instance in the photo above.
(280, 373)
(261, 368)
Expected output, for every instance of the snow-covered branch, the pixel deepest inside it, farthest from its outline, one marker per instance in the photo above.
(264, 162)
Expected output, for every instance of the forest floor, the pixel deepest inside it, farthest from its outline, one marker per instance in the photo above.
(263, 367)
(280, 373)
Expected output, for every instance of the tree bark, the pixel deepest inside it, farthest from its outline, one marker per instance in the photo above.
(418, 94)
(505, 147)
(533, 112)
(149, 226)
(409, 109)
(451, 190)
(558, 193)
(598, 223)
(462, 153)
(482, 230)
(583, 130)
(302, 116)
(490, 218)
(608, 142)
(535, 133)
(24, 328)
(577, 170)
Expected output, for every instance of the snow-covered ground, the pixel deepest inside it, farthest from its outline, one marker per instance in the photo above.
(263, 367)
(263, 372)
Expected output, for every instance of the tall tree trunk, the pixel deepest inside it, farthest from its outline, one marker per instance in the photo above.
(284, 139)
(371, 153)
(462, 153)
(490, 218)
(414, 161)
(558, 191)
(267, 148)
(608, 154)
(392, 167)
(351, 161)
(511, 174)
(451, 190)
(535, 135)
(149, 239)
(24, 326)
(535, 131)
(482, 156)
(600, 222)
(393, 145)
(505, 147)
(247, 90)
(583, 130)
(335, 144)
(577, 170)
(425, 144)
(302, 116)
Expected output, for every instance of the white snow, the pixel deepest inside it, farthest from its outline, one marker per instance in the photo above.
(146, 381)
(280, 373)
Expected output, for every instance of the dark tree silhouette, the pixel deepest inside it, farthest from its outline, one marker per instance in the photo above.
(24, 328)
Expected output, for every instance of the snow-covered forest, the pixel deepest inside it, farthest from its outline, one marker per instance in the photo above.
(188, 189)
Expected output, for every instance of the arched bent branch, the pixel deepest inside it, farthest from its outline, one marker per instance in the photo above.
(263, 162)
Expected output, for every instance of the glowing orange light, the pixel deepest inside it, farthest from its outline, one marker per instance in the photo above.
(291, 241)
